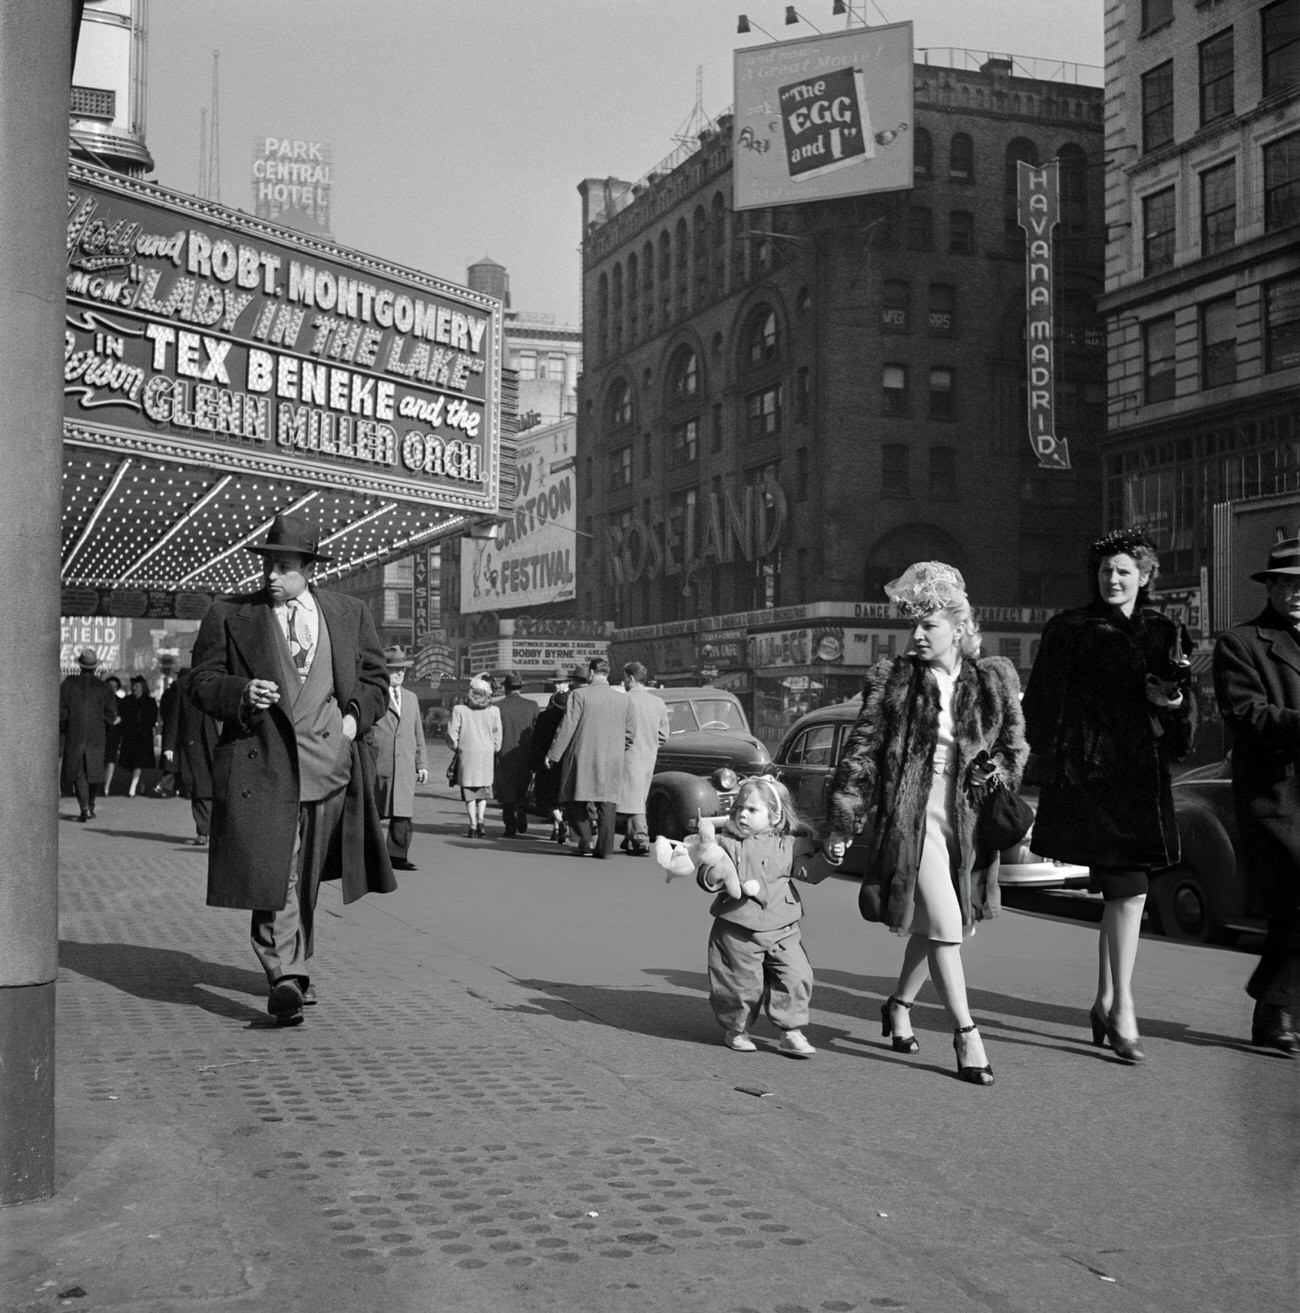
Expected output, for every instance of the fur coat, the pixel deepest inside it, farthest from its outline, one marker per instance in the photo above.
(1105, 749)
(882, 783)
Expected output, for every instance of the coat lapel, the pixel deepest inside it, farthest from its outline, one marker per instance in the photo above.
(252, 630)
(343, 648)
(1282, 645)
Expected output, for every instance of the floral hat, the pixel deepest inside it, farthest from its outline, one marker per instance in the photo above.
(926, 587)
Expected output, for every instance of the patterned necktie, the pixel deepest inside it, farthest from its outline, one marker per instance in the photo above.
(299, 639)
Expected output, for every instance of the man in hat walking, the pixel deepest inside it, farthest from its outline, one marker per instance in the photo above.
(295, 674)
(398, 741)
(514, 771)
(1257, 682)
(87, 708)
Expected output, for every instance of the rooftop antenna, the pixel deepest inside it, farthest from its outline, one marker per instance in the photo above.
(203, 152)
(688, 134)
(212, 189)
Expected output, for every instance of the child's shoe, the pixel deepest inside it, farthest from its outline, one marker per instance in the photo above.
(739, 1041)
(794, 1043)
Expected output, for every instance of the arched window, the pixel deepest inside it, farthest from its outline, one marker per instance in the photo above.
(1074, 188)
(719, 217)
(665, 257)
(602, 311)
(618, 406)
(633, 298)
(616, 306)
(1019, 149)
(763, 342)
(961, 158)
(683, 376)
(922, 155)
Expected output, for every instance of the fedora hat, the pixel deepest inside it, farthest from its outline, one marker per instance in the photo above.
(512, 681)
(396, 659)
(89, 659)
(1283, 561)
(292, 533)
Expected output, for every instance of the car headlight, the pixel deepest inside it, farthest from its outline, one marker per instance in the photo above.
(724, 779)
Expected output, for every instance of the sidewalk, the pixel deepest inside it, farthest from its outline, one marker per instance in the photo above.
(445, 1135)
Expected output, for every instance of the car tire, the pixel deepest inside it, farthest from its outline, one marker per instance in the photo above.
(1184, 910)
(662, 820)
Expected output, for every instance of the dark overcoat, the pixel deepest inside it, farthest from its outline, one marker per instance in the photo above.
(1257, 683)
(546, 779)
(139, 716)
(882, 783)
(514, 759)
(1104, 749)
(191, 737)
(87, 707)
(255, 785)
(590, 744)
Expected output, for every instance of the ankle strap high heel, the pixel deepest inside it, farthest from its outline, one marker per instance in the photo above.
(901, 1043)
(975, 1075)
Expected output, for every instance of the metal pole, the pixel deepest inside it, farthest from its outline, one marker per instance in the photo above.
(35, 46)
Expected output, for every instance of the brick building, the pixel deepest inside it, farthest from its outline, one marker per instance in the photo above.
(783, 408)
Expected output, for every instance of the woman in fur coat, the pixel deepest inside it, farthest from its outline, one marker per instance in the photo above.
(939, 726)
(1105, 725)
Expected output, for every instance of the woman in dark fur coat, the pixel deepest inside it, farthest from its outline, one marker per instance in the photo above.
(1105, 723)
(937, 725)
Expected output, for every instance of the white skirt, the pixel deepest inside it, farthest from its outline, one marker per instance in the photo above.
(936, 913)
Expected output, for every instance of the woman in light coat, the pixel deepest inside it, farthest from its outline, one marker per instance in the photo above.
(475, 732)
(939, 725)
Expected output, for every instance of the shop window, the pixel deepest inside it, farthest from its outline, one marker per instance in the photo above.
(1282, 183)
(920, 228)
(1158, 106)
(941, 396)
(1281, 39)
(763, 413)
(961, 158)
(1158, 359)
(894, 470)
(942, 318)
(1282, 324)
(943, 473)
(620, 468)
(685, 444)
(893, 385)
(1158, 232)
(1219, 342)
(922, 156)
(895, 306)
(1216, 70)
(961, 232)
(1219, 208)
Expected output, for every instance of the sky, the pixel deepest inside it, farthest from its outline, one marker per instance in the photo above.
(462, 128)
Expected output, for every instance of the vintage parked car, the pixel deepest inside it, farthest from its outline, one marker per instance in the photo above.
(807, 757)
(709, 750)
(1208, 895)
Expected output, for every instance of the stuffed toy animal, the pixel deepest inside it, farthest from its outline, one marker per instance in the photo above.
(686, 856)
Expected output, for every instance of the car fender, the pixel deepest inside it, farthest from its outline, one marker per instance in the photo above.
(687, 796)
(1207, 849)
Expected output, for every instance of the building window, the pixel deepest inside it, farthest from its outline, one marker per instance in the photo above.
(802, 392)
(715, 425)
(620, 468)
(1158, 359)
(943, 473)
(683, 375)
(893, 470)
(941, 400)
(1158, 106)
(1219, 208)
(1158, 232)
(961, 159)
(685, 444)
(920, 228)
(763, 413)
(764, 340)
(895, 306)
(1282, 324)
(1156, 13)
(961, 232)
(1281, 23)
(942, 319)
(1216, 77)
(618, 413)
(1021, 149)
(647, 454)
(1219, 342)
(893, 387)
(801, 474)
(1282, 182)
(922, 155)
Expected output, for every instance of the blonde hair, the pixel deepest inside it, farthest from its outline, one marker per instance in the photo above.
(776, 798)
(479, 693)
(961, 615)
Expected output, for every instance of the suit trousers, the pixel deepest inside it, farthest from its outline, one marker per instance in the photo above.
(201, 811)
(399, 837)
(580, 817)
(284, 940)
(756, 970)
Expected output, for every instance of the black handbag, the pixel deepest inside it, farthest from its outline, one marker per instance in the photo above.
(453, 766)
(1004, 819)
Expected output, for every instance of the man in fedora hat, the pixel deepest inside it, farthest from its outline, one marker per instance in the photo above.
(87, 708)
(296, 675)
(398, 742)
(1257, 682)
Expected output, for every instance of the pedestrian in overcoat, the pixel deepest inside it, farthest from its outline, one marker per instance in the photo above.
(650, 724)
(514, 770)
(1105, 724)
(295, 674)
(546, 774)
(87, 708)
(139, 716)
(192, 742)
(1257, 682)
(590, 745)
(939, 727)
(400, 764)
(474, 732)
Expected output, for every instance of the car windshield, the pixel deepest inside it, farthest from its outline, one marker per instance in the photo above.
(716, 714)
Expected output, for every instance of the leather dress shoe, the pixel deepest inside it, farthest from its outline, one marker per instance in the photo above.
(285, 1002)
(401, 864)
(309, 998)
(1272, 1028)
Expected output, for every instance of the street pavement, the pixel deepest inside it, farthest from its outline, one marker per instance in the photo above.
(511, 1096)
